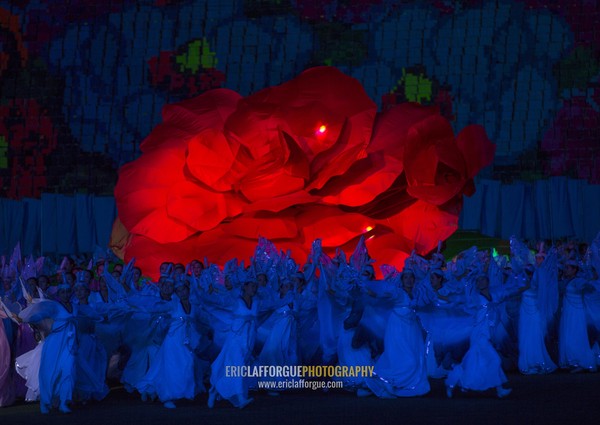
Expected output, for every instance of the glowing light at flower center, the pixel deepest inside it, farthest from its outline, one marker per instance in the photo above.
(322, 129)
(367, 230)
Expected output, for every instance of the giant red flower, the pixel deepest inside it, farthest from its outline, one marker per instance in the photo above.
(304, 160)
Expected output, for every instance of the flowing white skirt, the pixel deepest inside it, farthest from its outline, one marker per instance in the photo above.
(574, 348)
(28, 367)
(533, 356)
(401, 370)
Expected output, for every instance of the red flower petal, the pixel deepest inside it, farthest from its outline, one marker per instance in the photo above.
(142, 192)
(365, 180)
(275, 183)
(350, 147)
(282, 202)
(318, 96)
(268, 225)
(186, 119)
(160, 225)
(476, 148)
(200, 208)
(389, 248)
(213, 244)
(435, 169)
(420, 154)
(316, 126)
(388, 203)
(257, 129)
(422, 223)
(212, 159)
(333, 226)
(391, 127)
(437, 195)
(284, 176)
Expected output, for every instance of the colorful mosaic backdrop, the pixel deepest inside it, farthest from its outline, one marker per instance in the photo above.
(82, 82)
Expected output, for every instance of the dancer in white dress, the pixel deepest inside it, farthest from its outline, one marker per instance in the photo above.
(574, 350)
(281, 345)
(176, 372)
(481, 367)
(305, 308)
(91, 362)
(401, 370)
(237, 350)
(145, 331)
(57, 366)
(533, 318)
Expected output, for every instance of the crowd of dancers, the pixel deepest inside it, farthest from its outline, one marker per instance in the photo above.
(466, 320)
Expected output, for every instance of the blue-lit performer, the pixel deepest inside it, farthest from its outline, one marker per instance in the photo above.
(177, 372)
(237, 350)
(401, 370)
(481, 367)
(538, 306)
(574, 350)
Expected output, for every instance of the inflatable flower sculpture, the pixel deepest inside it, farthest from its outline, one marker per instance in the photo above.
(308, 159)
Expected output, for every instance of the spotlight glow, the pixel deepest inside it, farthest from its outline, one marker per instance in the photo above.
(322, 129)
(368, 229)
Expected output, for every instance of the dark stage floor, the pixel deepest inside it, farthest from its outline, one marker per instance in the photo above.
(560, 398)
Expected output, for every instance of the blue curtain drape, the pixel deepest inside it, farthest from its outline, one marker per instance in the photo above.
(543, 209)
(591, 211)
(11, 222)
(56, 224)
(30, 236)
